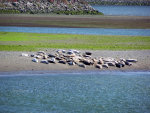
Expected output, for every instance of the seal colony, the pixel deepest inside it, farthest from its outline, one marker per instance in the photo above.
(75, 57)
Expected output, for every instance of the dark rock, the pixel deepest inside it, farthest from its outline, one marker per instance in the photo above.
(15, 4)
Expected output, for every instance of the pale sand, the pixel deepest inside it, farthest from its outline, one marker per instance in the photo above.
(13, 61)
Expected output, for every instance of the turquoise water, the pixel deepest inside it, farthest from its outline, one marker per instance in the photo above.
(86, 31)
(124, 10)
(85, 92)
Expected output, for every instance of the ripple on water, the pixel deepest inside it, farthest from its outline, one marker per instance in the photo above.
(106, 92)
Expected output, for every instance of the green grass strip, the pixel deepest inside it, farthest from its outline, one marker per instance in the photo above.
(13, 41)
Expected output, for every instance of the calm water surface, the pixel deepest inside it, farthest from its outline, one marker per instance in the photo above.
(89, 92)
(124, 10)
(86, 31)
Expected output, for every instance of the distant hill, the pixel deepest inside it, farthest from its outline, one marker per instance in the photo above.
(119, 2)
(73, 7)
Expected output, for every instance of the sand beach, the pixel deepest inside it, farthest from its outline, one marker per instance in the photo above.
(12, 61)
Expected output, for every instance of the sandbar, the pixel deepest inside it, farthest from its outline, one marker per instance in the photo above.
(12, 61)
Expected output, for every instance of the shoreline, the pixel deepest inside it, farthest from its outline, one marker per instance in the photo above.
(13, 62)
(75, 72)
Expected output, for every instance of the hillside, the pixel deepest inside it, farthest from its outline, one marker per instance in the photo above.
(73, 7)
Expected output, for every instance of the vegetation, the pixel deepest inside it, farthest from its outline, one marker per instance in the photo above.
(2, 11)
(78, 12)
(12, 41)
(7, 11)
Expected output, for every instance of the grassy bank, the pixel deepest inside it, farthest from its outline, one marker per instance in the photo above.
(8, 11)
(84, 21)
(12, 41)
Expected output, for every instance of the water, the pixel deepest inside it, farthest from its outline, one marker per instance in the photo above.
(124, 10)
(89, 92)
(86, 31)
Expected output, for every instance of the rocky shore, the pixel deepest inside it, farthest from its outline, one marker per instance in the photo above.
(46, 6)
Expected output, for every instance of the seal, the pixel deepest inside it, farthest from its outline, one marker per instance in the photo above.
(99, 66)
(35, 60)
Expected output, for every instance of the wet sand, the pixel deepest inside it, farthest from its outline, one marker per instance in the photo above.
(13, 61)
(75, 21)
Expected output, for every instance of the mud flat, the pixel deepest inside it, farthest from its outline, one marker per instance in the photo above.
(76, 21)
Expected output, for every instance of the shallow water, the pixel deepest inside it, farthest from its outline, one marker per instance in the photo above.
(124, 10)
(86, 92)
(86, 31)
